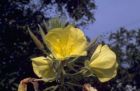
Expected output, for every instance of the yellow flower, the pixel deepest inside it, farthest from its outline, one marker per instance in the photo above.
(42, 67)
(103, 63)
(66, 42)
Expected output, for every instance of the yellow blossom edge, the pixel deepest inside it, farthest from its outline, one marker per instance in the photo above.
(66, 42)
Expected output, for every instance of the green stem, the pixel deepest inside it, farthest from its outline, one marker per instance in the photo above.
(52, 88)
(77, 73)
(73, 60)
(61, 73)
(48, 55)
(73, 84)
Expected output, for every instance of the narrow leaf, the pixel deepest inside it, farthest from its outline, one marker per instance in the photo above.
(92, 43)
(45, 25)
(36, 40)
(42, 33)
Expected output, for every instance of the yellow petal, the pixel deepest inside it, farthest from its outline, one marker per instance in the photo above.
(104, 64)
(66, 42)
(106, 74)
(42, 67)
(96, 52)
(103, 58)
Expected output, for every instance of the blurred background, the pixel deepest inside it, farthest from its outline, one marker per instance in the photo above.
(116, 22)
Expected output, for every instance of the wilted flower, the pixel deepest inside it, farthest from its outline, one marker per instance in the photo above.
(66, 42)
(103, 63)
(88, 87)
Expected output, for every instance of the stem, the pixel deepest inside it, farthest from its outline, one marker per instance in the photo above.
(48, 55)
(77, 73)
(52, 88)
(45, 79)
(74, 84)
(62, 74)
(73, 60)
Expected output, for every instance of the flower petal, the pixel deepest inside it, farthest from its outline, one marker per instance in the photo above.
(106, 74)
(66, 42)
(103, 63)
(105, 58)
(42, 67)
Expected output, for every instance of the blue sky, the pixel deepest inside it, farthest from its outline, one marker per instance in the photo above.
(112, 14)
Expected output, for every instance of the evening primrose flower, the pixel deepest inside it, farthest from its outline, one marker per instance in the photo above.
(66, 42)
(42, 67)
(103, 63)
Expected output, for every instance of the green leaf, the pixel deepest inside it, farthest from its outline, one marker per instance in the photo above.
(45, 25)
(36, 40)
(42, 33)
